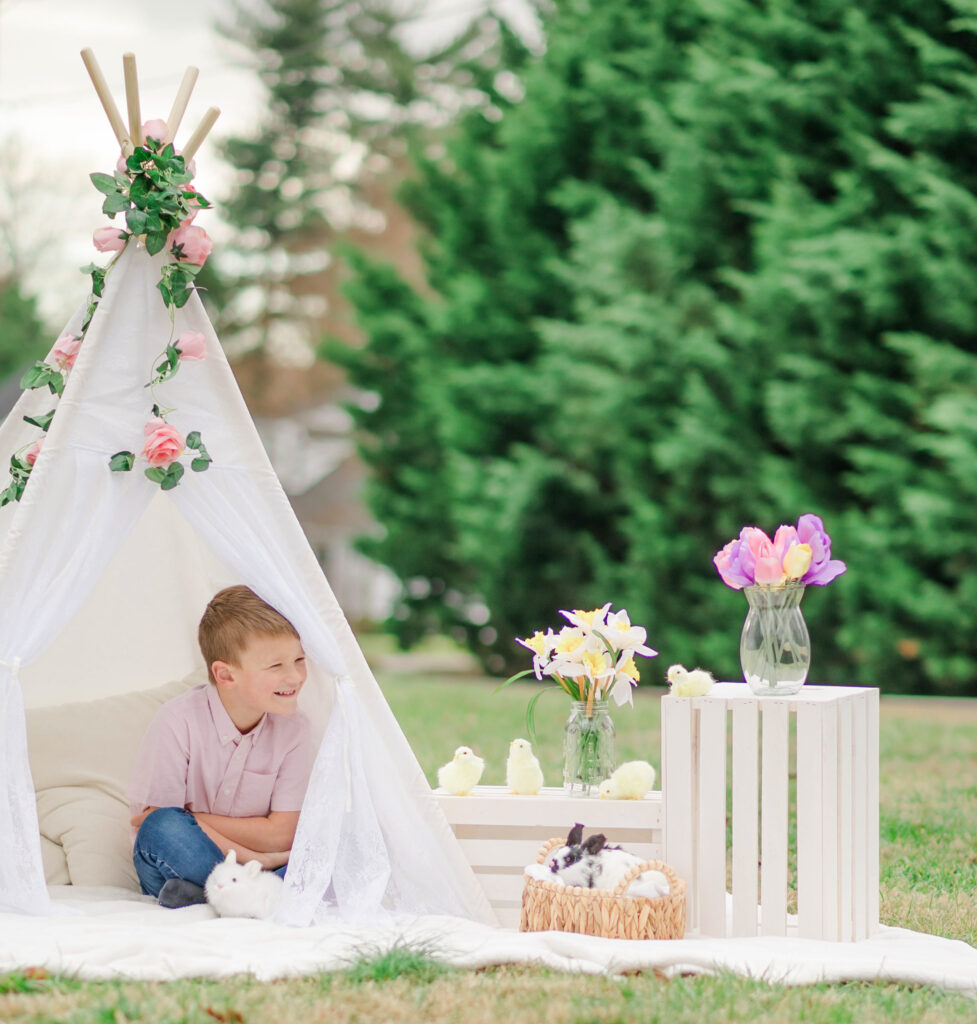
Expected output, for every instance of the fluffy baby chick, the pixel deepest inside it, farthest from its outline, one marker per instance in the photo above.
(523, 774)
(630, 782)
(461, 774)
(684, 683)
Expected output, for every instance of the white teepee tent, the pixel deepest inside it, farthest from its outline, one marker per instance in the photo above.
(104, 576)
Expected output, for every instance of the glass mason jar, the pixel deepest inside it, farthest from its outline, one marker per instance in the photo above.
(588, 748)
(775, 648)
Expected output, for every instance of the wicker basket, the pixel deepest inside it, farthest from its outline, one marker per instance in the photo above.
(550, 906)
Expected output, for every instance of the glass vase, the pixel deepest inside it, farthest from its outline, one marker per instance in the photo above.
(775, 648)
(588, 748)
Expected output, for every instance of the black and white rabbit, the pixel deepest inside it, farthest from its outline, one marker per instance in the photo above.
(592, 863)
(243, 890)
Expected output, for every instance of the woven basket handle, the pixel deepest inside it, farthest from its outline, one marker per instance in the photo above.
(547, 848)
(648, 865)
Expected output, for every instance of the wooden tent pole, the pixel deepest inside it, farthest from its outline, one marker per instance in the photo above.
(132, 98)
(105, 97)
(195, 140)
(181, 101)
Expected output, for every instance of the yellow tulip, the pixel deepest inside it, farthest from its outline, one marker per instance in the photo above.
(797, 561)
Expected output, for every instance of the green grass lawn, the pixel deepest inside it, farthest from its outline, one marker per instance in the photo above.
(928, 754)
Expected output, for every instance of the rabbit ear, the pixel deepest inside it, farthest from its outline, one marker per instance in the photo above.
(576, 834)
(595, 843)
(252, 869)
(231, 857)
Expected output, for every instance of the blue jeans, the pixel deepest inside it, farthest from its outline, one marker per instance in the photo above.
(170, 844)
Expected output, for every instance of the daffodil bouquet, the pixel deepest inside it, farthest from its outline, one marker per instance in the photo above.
(591, 659)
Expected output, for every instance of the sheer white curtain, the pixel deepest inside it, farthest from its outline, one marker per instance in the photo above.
(365, 846)
(45, 579)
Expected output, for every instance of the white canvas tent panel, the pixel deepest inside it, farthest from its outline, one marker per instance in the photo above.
(89, 554)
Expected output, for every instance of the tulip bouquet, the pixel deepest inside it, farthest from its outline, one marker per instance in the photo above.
(775, 648)
(800, 553)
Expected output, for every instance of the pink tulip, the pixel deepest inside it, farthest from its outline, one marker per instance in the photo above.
(769, 570)
(759, 543)
(191, 244)
(783, 538)
(164, 444)
(192, 346)
(109, 239)
(65, 351)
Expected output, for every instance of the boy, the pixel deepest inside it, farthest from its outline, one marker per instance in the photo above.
(225, 765)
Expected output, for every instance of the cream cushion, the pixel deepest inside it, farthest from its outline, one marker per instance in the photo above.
(81, 756)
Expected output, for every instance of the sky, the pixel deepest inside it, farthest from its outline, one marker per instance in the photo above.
(53, 127)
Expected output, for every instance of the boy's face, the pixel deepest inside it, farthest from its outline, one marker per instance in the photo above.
(267, 678)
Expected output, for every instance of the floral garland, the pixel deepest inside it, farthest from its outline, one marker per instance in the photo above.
(152, 189)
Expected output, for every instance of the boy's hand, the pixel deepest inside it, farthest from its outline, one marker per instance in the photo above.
(140, 818)
(271, 861)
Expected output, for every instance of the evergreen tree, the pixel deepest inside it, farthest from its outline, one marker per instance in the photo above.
(714, 269)
(345, 98)
(22, 335)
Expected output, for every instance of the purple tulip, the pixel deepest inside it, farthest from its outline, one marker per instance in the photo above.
(735, 564)
(810, 530)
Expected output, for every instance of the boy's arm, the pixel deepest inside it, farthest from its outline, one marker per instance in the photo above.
(266, 835)
(268, 859)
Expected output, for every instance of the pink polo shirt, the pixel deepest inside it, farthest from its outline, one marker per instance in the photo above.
(193, 756)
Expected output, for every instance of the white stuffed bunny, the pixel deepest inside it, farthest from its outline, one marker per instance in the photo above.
(243, 890)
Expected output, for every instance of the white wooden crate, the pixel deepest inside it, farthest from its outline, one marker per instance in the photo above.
(501, 833)
(837, 819)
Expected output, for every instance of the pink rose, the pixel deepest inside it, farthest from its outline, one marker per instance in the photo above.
(192, 345)
(65, 351)
(109, 239)
(193, 204)
(164, 444)
(156, 129)
(30, 456)
(191, 244)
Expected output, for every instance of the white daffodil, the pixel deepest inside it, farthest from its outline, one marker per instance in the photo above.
(589, 621)
(597, 666)
(623, 636)
(540, 644)
(626, 676)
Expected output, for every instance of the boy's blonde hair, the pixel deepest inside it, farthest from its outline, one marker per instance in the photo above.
(233, 617)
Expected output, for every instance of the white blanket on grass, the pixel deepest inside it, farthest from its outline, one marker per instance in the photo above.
(118, 935)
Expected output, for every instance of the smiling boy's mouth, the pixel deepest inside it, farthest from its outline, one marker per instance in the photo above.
(285, 693)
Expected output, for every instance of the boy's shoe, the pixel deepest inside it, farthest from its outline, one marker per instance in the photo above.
(178, 892)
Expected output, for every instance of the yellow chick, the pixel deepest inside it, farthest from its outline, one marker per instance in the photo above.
(684, 683)
(461, 774)
(630, 782)
(523, 774)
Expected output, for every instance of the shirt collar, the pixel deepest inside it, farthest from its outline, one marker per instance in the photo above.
(227, 731)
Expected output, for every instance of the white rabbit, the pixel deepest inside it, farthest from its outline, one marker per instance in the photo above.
(243, 890)
(593, 864)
